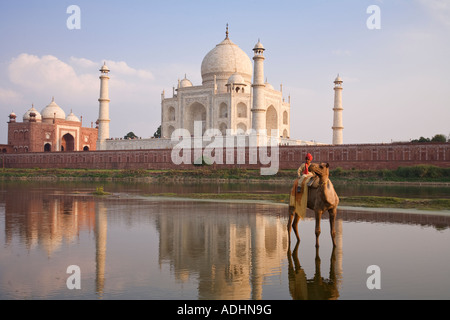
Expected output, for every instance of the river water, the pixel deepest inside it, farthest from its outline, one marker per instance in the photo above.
(133, 246)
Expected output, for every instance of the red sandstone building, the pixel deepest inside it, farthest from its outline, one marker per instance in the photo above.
(48, 131)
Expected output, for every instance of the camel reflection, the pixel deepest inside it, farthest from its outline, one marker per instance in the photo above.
(316, 288)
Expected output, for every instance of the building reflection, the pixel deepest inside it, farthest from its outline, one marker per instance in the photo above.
(232, 253)
(229, 252)
(48, 221)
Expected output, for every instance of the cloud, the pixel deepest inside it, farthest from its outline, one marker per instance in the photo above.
(48, 73)
(439, 9)
(122, 68)
(75, 85)
(8, 96)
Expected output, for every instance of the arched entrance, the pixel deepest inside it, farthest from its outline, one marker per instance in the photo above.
(196, 112)
(67, 143)
(271, 120)
(47, 147)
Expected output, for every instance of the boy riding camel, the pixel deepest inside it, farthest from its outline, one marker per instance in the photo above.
(299, 194)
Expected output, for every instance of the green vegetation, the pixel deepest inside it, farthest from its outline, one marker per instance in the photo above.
(437, 138)
(100, 192)
(392, 202)
(157, 133)
(420, 173)
(130, 135)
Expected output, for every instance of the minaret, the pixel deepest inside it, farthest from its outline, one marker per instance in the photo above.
(337, 122)
(103, 118)
(258, 109)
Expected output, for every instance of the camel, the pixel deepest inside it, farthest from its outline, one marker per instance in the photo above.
(320, 199)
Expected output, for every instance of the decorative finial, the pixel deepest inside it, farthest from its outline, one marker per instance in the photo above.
(53, 99)
(226, 33)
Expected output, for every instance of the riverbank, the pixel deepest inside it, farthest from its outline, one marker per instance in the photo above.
(423, 175)
(353, 201)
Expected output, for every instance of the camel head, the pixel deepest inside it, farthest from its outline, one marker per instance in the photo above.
(322, 169)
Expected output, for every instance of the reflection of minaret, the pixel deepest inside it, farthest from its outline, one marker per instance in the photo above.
(339, 251)
(258, 255)
(101, 229)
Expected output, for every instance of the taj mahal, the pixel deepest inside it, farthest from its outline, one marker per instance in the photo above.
(225, 98)
(234, 100)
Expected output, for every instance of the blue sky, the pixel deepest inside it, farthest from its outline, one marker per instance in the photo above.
(396, 79)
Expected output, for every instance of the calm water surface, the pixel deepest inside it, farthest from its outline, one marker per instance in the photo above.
(130, 246)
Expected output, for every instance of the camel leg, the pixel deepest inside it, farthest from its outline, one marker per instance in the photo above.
(295, 226)
(318, 217)
(289, 225)
(332, 213)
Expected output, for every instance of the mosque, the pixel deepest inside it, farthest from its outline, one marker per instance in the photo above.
(234, 99)
(48, 131)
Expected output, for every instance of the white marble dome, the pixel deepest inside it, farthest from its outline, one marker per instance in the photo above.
(53, 111)
(72, 117)
(223, 61)
(185, 83)
(26, 116)
(236, 78)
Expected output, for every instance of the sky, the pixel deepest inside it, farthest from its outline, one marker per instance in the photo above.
(396, 76)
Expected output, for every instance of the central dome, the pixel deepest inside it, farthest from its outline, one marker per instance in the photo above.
(225, 60)
(53, 111)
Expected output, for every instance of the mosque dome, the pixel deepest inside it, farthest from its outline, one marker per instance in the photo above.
(224, 60)
(72, 117)
(185, 83)
(53, 111)
(26, 116)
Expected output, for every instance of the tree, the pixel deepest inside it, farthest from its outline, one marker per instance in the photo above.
(421, 139)
(130, 135)
(157, 134)
(439, 138)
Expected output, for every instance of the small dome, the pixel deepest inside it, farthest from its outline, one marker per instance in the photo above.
(236, 78)
(104, 68)
(259, 45)
(72, 117)
(338, 79)
(26, 116)
(12, 114)
(185, 83)
(269, 86)
(53, 110)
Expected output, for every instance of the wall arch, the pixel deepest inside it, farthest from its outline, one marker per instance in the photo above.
(223, 110)
(271, 119)
(241, 110)
(196, 112)
(241, 128)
